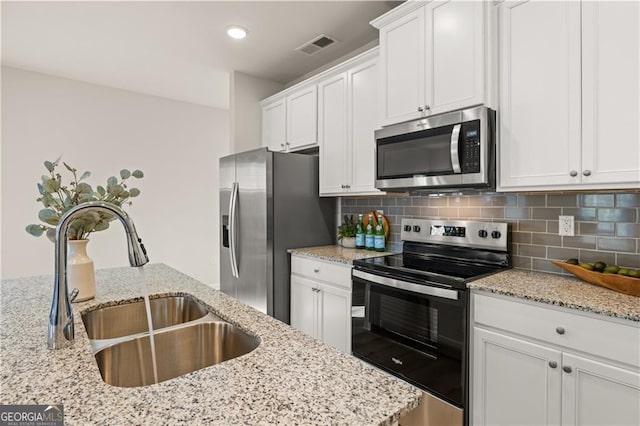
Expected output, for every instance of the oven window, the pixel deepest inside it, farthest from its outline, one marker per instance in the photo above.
(430, 324)
(425, 153)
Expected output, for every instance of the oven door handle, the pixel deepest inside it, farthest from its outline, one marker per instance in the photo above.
(408, 286)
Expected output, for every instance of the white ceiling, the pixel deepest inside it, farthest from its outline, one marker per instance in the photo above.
(179, 49)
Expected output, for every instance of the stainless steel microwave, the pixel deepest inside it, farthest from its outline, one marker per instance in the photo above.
(446, 152)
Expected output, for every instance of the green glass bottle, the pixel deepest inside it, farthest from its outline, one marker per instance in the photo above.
(360, 233)
(369, 234)
(378, 239)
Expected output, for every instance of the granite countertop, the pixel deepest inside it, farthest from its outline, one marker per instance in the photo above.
(336, 253)
(290, 378)
(560, 290)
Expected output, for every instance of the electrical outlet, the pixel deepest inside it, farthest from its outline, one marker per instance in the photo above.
(566, 226)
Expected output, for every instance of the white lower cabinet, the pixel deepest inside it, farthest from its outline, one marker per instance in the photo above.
(540, 366)
(321, 301)
(597, 393)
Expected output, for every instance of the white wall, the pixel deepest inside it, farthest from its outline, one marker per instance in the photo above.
(246, 115)
(103, 130)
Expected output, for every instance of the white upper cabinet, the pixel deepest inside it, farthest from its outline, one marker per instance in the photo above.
(432, 58)
(274, 125)
(332, 126)
(362, 122)
(540, 92)
(610, 93)
(289, 120)
(569, 95)
(347, 118)
(455, 44)
(402, 58)
(302, 118)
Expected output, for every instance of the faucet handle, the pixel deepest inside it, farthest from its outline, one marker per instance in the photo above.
(74, 294)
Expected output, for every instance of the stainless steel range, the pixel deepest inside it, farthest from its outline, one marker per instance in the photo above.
(410, 310)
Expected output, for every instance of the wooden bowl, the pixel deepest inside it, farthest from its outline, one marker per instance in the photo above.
(385, 223)
(619, 283)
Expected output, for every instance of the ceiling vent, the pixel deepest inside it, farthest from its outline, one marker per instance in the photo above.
(316, 45)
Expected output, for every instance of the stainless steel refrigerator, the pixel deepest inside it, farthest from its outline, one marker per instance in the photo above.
(268, 203)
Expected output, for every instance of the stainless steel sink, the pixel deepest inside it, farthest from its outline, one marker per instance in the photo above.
(187, 338)
(131, 318)
(179, 351)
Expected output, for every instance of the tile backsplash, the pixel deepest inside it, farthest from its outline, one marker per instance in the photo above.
(607, 224)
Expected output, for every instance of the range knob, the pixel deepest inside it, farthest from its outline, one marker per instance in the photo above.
(482, 233)
(407, 228)
(496, 234)
(416, 228)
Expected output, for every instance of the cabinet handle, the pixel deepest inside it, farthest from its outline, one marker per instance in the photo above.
(573, 173)
(427, 107)
(282, 145)
(560, 330)
(316, 270)
(420, 109)
(587, 173)
(566, 369)
(347, 186)
(553, 364)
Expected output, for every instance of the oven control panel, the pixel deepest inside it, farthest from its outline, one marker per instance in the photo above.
(464, 233)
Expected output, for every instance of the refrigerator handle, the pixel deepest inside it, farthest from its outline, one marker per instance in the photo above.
(232, 230)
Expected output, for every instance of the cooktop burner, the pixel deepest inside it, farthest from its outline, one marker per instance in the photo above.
(451, 253)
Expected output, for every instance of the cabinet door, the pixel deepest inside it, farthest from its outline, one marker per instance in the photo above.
(514, 381)
(332, 132)
(611, 90)
(594, 393)
(454, 55)
(335, 318)
(402, 68)
(302, 118)
(274, 125)
(539, 94)
(304, 305)
(362, 122)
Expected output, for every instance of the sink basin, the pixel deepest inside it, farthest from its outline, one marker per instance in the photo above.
(131, 318)
(179, 351)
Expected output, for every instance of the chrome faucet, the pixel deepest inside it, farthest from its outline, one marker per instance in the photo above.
(60, 331)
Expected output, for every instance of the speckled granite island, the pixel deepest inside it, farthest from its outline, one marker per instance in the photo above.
(560, 290)
(289, 379)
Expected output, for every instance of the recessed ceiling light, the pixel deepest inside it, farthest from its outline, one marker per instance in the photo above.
(237, 32)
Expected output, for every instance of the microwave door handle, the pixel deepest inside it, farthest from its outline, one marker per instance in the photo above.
(232, 231)
(455, 159)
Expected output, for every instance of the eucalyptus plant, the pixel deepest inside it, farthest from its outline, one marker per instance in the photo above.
(58, 198)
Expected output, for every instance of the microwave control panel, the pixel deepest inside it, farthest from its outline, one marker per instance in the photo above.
(470, 135)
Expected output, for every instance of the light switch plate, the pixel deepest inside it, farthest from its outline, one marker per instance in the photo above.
(566, 226)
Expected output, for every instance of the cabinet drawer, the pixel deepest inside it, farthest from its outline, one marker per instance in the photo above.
(319, 270)
(600, 337)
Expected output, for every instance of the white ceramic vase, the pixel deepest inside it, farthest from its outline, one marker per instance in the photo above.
(349, 242)
(80, 271)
